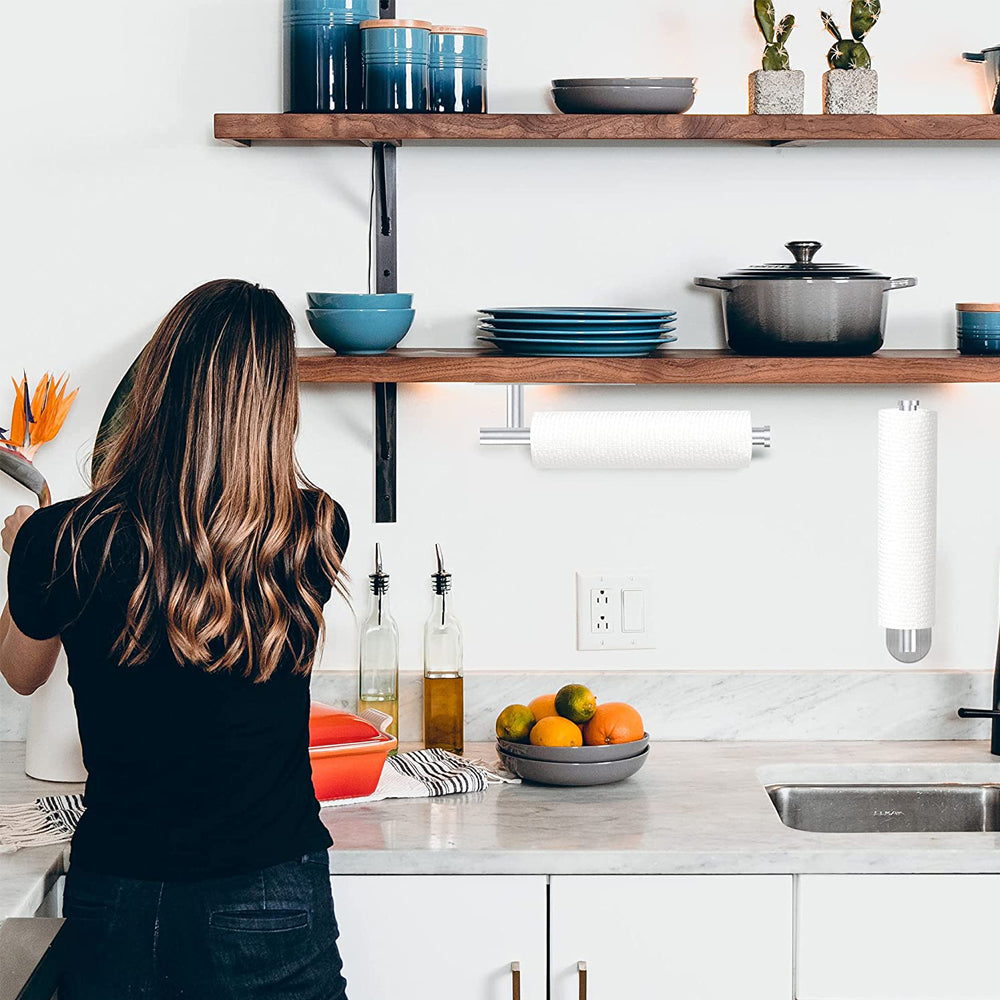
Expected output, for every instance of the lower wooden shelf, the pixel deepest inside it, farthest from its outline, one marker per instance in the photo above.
(670, 367)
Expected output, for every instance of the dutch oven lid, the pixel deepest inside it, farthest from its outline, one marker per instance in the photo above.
(803, 267)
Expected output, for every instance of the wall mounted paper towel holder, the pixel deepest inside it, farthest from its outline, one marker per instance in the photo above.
(518, 433)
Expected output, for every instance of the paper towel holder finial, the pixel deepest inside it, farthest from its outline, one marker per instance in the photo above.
(517, 432)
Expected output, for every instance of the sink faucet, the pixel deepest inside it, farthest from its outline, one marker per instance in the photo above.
(992, 714)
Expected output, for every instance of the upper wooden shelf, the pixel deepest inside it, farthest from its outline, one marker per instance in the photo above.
(363, 130)
(671, 366)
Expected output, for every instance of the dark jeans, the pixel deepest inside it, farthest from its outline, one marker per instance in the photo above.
(271, 934)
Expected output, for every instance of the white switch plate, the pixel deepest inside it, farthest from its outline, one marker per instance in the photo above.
(599, 611)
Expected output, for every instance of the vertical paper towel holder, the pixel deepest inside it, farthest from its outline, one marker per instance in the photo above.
(518, 433)
(908, 645)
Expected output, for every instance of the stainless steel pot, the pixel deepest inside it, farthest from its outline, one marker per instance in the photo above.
(990, 58)
(804, 308)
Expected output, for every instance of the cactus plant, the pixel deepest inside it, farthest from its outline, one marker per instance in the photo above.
(775, 53)
(851, 53)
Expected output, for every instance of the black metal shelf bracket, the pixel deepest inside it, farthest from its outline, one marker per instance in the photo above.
(384, 265)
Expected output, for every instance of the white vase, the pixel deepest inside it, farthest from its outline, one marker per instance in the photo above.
(53, 751)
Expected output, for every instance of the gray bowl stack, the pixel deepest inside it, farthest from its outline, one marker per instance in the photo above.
(600, 765)
(624, 95)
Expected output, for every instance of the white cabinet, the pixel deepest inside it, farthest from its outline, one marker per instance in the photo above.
(896, 937)
(442, 937)
(690, 937)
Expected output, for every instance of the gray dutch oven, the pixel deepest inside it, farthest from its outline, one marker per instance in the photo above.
(804, 308)
(990, 58)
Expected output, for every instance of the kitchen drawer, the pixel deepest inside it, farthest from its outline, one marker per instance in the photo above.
(684, 937)
(441, 937)
(896, 937)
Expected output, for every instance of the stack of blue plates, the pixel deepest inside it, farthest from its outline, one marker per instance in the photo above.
(535, 331)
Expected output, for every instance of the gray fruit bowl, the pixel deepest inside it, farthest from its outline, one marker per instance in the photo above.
(544, 772)
(574, 755)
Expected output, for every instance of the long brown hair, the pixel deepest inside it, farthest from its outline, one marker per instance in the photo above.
(203, 463)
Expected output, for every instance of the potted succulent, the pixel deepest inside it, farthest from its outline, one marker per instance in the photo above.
(775, 89)
(850, 87)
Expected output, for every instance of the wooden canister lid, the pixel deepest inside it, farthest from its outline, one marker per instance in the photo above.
(978, 307)
(451, 29)
(392, 23)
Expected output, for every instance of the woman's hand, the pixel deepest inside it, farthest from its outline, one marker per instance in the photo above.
(12, 525)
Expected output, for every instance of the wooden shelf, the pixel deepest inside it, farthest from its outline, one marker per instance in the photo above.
(364, 130)
(671, 367)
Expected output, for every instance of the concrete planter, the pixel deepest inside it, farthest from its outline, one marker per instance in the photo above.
(777, 92)
(850, 92)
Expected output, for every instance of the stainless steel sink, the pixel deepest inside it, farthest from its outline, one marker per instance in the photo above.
(888, 808)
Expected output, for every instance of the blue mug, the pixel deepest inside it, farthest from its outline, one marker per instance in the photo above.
(396, 65)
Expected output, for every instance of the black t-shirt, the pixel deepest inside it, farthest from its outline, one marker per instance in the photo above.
(191, 775)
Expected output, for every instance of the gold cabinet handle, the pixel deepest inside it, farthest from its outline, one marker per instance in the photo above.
(515, 980)
(581, 971)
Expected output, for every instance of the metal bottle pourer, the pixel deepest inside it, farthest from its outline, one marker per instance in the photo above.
(908, 645)
(379, 580)
(441, 579)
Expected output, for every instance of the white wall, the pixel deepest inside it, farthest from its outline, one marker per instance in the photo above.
(116, 201)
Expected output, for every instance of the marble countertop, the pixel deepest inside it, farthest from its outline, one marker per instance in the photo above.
(695, 808)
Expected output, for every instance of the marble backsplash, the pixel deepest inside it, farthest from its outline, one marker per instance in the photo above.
(698, 705)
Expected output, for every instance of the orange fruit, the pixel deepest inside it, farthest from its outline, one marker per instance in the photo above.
(556, 732)
(514, 723)
(543, 706)
(614, 722)
(576, 703)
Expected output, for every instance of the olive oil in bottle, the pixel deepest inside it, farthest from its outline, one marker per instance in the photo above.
(444, 692)
(378, 674)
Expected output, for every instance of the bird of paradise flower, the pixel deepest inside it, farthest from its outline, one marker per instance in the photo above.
(36, 420)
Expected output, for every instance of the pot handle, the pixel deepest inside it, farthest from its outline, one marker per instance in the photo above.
(724, 286)
(974, 56)
(901, 283)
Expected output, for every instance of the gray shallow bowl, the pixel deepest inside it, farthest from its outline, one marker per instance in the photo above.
(575, 755)
(624, 100)
(686, 82)
(545, 772)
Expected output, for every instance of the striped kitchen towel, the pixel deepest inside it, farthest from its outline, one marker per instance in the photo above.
(49, 820)
(421, 774)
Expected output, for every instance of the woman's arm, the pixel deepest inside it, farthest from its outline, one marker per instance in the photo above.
(26, 663)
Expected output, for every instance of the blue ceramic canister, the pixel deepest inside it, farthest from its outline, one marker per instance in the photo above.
(458, 69)
(397, 65)
(323, 64)
(978, 327)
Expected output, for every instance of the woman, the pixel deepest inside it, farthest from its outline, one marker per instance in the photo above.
(188, 588)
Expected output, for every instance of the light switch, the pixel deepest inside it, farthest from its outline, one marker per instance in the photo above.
(633, 611)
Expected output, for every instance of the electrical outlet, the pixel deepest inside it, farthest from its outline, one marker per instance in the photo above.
(614, 611)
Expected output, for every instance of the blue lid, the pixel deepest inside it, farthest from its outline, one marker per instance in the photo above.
(369, 8)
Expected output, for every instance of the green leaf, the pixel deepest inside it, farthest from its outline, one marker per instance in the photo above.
(785, 29)
(764, 12)
(864, 15)
(831, 25)
(775, 57)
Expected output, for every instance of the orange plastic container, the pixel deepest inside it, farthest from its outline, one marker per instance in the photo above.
(347, 752)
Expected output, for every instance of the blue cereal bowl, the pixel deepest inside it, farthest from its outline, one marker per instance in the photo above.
(347, 300)
(360, 331)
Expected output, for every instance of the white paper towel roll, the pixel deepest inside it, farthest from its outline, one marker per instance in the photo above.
(907, 518)
(693, 439)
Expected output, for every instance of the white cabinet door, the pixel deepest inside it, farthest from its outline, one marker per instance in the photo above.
(897, 937)
(679, 937)
(447, 937)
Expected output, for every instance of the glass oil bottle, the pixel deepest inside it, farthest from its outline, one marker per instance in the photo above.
(378, 674)
(444, 694)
